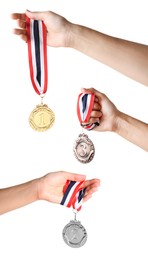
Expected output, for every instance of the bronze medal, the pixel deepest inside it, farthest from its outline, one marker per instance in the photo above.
(84, 149)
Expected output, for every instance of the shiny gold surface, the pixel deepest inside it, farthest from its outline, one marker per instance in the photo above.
(41, 118)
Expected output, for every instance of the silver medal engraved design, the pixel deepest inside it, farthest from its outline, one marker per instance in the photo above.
(74, 234)
(84, 149)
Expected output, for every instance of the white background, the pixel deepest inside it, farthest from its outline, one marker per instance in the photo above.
(116, 216)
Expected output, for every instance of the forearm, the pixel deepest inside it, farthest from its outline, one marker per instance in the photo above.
(129, 58)
(18, 196)
(133, 130)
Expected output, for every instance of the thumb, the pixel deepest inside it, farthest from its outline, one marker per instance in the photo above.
(94, 91)
(88, 90)
(35, 15)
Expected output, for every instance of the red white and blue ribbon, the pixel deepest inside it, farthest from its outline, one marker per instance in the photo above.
(73, 195)
(37, 54)
(84, 108)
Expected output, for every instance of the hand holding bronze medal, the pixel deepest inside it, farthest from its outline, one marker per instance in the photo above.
(74, 234)
(84, 149)
(42, 117)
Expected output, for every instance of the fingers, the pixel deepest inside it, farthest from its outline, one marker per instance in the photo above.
(21, 22)
(32, 15)
(96, 106)
(75, 177)
(21, 19)
(21, 33)
(17, 16)
(91, 187)
(86, 198)
(88, 184)
(89, 193)
(96, 113)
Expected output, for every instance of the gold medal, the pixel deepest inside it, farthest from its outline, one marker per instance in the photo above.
(41, 118)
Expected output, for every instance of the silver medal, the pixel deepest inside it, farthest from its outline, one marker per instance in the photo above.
(84, 149)
(74, 234)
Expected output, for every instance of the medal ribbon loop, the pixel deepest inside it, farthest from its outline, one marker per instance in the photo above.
(73, 195)
(37, 54)
(84, 108)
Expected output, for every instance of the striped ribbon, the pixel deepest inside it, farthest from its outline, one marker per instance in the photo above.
(37, 54)
(84, 108)
(73, 195)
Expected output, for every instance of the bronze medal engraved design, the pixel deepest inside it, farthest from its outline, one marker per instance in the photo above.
(84, 149)
(74, 234)
(41, 118)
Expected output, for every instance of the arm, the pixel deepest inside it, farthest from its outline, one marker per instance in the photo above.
(48, 187)
(129, 58)
(126, 57)
(17, 196)
(111, 119)
(132, 130)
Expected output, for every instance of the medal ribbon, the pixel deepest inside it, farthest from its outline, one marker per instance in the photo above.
(84, 108)
(73, 195)
(37, 54)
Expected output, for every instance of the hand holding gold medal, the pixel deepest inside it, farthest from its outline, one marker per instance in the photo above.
(42, 117)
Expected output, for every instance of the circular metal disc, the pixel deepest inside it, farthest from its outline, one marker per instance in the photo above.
(74, 234)
(41, 118)
(84, 149)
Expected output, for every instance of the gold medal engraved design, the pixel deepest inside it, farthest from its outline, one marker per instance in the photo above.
(84, 149)
(41, 118)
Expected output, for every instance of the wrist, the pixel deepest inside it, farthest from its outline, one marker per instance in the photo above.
(39, 188)
(120, 123)
(42, 188)
(74, 36)
(34, 189)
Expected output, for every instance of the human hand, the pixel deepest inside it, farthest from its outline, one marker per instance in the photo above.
(104, 111)
(58, 27)
(50, 186)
